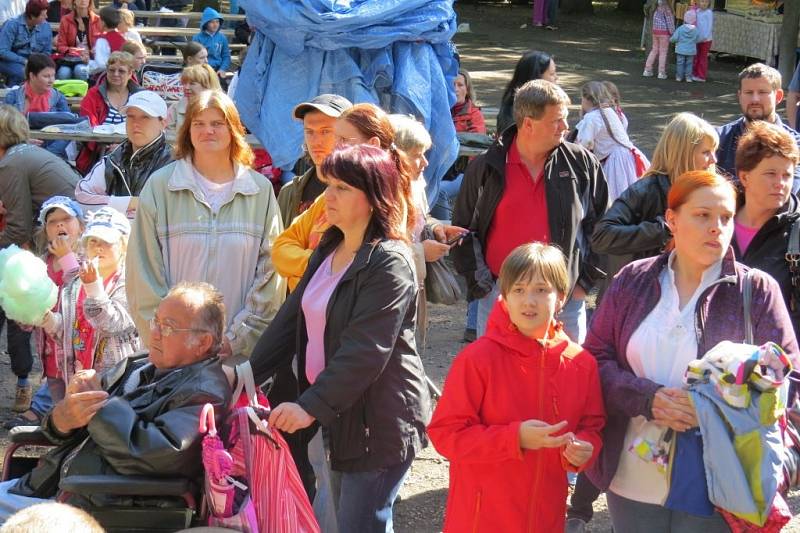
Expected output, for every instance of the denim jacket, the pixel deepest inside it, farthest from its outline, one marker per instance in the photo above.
(17, 42)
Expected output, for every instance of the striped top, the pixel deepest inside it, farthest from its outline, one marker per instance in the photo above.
(114, 117)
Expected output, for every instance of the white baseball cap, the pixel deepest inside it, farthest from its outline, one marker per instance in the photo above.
(107, 224)
(149, 102)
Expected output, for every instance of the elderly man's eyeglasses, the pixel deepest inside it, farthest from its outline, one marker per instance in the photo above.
(166, 330)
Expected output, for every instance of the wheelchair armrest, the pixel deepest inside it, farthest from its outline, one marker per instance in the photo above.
(125, 485)
(28, 435)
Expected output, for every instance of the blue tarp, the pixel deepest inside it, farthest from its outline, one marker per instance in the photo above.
(393, 53)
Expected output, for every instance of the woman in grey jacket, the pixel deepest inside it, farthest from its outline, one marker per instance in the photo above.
(351, 323)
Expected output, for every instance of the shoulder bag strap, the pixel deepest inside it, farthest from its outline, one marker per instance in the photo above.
(747, 296)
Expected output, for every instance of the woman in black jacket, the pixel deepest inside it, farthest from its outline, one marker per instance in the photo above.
(766, 157)
(351, 323)
(634, 227)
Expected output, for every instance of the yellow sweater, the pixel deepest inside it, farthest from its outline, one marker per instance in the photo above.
(293, 247)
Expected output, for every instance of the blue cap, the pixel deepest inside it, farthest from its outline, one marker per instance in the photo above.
(60, 202)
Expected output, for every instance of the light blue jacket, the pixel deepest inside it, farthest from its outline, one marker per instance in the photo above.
(219, 54)
(685, 38)
(58, 103)
(17, 42)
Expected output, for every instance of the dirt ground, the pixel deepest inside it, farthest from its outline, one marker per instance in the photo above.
(602, 47)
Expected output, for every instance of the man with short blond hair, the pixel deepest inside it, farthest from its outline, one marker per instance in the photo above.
(529, 186)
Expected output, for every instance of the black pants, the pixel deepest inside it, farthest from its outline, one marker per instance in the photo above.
(19, 346)
(585, 494)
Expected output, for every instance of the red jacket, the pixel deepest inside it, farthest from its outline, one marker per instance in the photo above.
(68, 32)
(467, 117)
(495, 383)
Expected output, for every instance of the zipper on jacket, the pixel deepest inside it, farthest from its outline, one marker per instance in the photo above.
(539, 459)
(477, 516)
(555, 409)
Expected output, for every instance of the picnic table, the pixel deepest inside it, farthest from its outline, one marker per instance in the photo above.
(113, 138)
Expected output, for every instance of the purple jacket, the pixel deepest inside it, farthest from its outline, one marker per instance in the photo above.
(720, 316)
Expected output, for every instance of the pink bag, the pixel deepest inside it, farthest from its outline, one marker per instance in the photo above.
(261, 459)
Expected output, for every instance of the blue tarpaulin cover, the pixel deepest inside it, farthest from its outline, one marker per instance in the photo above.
(393, 53)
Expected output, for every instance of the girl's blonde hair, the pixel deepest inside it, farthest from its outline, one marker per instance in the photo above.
(674, 153)
(14, 128)
(126, 16)
(613, 91)
(529, 260)
(122, 58)
(202, 74)
(240, 151)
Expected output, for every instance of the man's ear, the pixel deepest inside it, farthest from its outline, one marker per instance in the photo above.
(778, 96)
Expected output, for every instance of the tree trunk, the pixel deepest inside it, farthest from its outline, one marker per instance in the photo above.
(576, 6)
(788, 41)
(631, 6)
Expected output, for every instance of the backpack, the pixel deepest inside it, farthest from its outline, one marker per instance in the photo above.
(262, 491)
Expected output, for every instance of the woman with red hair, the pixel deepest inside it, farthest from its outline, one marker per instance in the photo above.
(658, 315)
(22, 36)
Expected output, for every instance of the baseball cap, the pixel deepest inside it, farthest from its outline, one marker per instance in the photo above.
(107, 224)
(149, 102)
(331, 104)
(60, 202)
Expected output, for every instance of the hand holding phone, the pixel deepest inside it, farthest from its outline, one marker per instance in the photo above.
(457, 238)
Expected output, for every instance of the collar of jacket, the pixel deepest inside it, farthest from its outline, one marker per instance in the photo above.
(182, 178)
(119, 155)
(504, 332)
(497, 153)
(727, 274)
(333, 236)
(133, 87)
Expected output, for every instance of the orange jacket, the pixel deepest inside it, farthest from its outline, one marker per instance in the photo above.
(293, 247)
(67, 39)
(494, 384)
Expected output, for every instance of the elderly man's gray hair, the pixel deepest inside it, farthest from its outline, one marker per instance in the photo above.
(210, 306)
(532, 99)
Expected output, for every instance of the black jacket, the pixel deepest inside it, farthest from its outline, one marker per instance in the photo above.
(577, 196)
(127, 171)
(152, 430)
(634, 225)
(767, 252)
(371, 398)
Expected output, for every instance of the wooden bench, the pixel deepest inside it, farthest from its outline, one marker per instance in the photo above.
(192, 16)
(157, 31)
(112, 138)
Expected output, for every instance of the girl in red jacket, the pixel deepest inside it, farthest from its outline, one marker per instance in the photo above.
(521, 406)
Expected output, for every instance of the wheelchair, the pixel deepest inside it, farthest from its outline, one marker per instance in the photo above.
(189, 514)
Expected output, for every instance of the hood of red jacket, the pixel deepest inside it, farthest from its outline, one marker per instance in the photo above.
(500, 329)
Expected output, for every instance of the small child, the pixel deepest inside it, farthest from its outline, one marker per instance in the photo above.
(61, 222)
(663, 27)
(521, 406)
(127, 26)
(705, 29)
(602, 131)
(93, 324)
(210, 36)
(613, 90)
(111, 41)
(685, 39)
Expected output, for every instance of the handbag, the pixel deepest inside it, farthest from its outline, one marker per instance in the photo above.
(441, 285)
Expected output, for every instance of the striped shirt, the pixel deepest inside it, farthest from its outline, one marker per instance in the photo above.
(114, 117)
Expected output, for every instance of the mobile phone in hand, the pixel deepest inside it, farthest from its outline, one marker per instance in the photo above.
(457, 238)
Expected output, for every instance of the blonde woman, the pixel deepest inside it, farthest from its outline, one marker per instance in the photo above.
(208, 217)
(194, 79)
(634, 224)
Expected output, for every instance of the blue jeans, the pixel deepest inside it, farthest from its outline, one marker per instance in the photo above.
(78, 72)
(572, 315)
(552, 10)
(366, 498)
(324, 507)
(11, 503)
(14, 72)
(448, 190)
(684, 68)
(628, 516)
(472, 315)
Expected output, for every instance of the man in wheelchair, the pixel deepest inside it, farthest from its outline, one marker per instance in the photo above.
(141, 417)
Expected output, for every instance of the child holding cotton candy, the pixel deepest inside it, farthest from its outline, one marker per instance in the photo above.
(93, 324)
(58, 238)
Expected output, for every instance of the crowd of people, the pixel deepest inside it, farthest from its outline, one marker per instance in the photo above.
(172, 258)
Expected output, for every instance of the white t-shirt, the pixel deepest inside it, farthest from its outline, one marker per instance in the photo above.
(216, 194)
(10, 9)
(660, 350)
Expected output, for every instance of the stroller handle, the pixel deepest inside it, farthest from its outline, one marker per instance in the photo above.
(207, 422)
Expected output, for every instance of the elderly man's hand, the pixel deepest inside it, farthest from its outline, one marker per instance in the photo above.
(290, 417)
(82, 401)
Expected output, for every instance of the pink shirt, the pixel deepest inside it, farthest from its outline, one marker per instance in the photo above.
(744, 235)
(315, 306)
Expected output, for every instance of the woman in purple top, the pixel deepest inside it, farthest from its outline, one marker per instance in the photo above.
(659, 314)
(359, 374)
